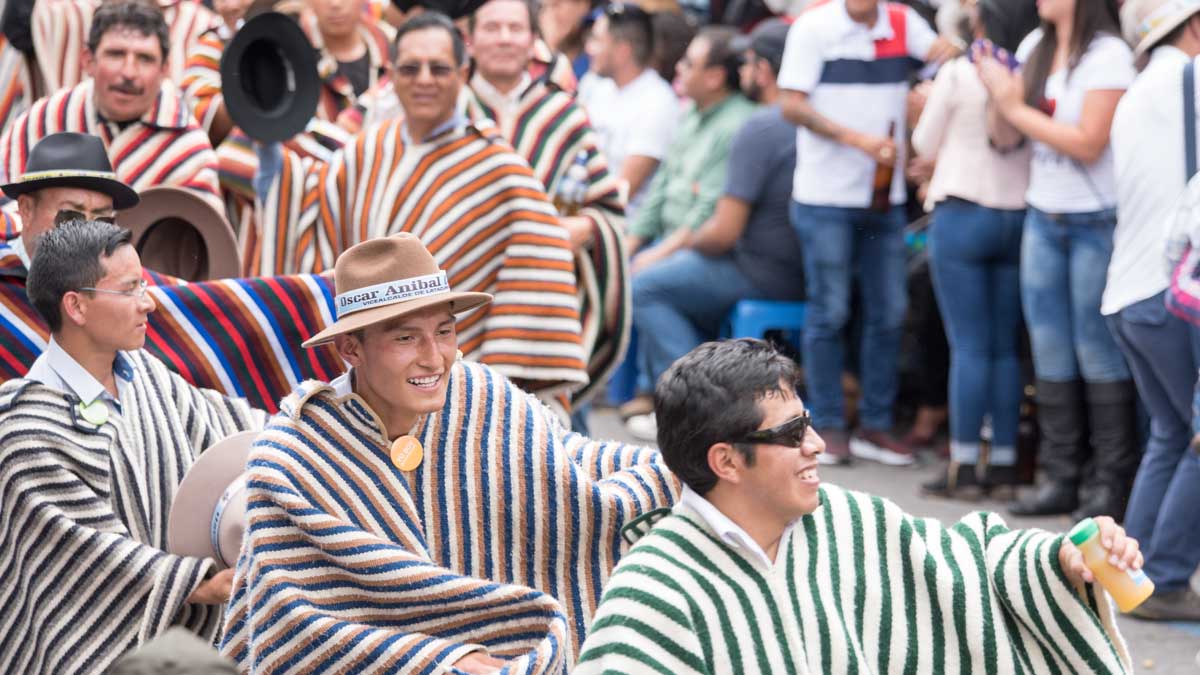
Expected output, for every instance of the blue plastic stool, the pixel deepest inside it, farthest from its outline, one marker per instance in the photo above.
(753, 318)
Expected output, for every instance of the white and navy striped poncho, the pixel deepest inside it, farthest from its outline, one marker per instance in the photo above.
(502, 537)
(83, 519)
(857, 587)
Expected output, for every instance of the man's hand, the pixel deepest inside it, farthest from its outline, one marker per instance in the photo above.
(942, 51)
(1123, 552)
(881, 148)
(580, 230)
(215, 591)
(479, 663)
(920, 170)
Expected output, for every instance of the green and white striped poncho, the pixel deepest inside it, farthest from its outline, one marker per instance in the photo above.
(858, 587)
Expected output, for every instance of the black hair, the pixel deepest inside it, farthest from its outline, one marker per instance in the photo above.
(1006, 22)
(138, 15)
(531, 9)
(633, 26)
(711, 395)
(434, 21)
(1175, 34)
(1091, 18)
(672, 33)
(68, 259)
(721, 53)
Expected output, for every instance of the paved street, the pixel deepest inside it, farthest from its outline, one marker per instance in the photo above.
(1169, 649)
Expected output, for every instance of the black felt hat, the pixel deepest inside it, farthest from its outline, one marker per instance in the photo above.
(269, 77)
(455, 9)
(71, 160)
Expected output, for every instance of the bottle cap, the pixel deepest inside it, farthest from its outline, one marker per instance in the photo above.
(1086, 529)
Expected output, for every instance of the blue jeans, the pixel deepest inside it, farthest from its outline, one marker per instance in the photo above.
(680, 303)
(974, 255)
(1163, 353)
(838, 243)
(1064, 266)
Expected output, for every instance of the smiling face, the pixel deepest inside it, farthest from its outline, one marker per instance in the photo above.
(111, 321)
(427, 79)
(128, 68)
(502, 40)
(402, 366)
(781, 482)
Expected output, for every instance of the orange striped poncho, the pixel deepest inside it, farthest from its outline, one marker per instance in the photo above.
(60, 32)
(164, 147)
(476, 206)
(17, 82)
(549, 130)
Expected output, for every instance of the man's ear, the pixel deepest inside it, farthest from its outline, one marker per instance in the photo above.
(25, 208)
(88, 61)
(73, 308)
(349, 347)
(726, 462)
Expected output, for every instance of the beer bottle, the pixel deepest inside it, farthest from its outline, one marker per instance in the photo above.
(572, 189)
(882, 185)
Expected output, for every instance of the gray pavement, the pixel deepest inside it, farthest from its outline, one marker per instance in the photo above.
(1160, 648)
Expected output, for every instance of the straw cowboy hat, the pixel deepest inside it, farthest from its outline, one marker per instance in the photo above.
(178, 233)
(1147, 22)
(383, 278)
(208, 514)
(71, 160)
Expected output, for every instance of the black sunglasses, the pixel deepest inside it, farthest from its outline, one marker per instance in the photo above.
(789, 434)
(67, 215)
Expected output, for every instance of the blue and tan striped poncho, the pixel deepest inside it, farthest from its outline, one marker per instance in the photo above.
(502, 538)
(858, 586)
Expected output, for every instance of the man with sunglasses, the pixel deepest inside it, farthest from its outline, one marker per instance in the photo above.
(760, 569)
(94, 443)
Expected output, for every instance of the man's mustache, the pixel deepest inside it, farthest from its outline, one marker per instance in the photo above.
(127, 87)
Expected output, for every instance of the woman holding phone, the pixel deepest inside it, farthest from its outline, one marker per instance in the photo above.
(1075, 68)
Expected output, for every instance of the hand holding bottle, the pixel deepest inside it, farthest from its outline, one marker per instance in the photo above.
(1098, 550)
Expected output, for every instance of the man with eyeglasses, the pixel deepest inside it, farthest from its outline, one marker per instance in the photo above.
(95, 441)
(461, 189)
(759, 568)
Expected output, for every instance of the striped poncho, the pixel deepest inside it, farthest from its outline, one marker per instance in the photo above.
(60, 32)
(164, 147)
(858, 587)
(549, 130)
(17, 82)
(237, 336)
(501, 538)
(83, 519)
(477, 208)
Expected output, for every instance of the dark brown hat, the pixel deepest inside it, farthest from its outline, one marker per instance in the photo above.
(178, 233)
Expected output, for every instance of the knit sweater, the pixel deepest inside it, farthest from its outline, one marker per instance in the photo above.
(502, 538)
(858, 586)
(83, 519)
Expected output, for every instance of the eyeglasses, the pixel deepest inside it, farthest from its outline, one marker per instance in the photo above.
(137, 293)
(410, 71)
(789, 434)
(65, 216)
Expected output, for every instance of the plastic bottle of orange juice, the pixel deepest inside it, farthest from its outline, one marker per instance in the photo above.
(1128, 588)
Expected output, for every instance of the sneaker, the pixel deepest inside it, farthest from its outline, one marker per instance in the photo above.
(837, 449)
(639, 405)
(882, 447)
(1181, 605)
(643, 427)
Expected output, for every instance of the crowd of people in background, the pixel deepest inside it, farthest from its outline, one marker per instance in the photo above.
(1014, 178)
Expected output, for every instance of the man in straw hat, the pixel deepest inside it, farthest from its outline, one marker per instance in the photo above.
(421, 511)
(128, 102)
(459, 187)
(235, 336)
(1153, 161)
(95, 441)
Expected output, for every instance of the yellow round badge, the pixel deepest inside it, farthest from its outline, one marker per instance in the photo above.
(407, 453)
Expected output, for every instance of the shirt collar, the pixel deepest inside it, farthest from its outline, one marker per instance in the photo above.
(493, 97)
(1167, 53)
(17, 244)
(343, 385)
(82, 383)
(728, 531)
(882, 30)
(456, 121)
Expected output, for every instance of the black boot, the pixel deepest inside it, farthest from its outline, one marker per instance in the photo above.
(1000, 482)
(1060, 417)
(1114, 440)
(957, 481)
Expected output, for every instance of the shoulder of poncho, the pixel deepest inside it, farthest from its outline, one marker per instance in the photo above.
(52, 408)
(292, 407)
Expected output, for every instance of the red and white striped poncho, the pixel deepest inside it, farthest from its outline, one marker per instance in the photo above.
(165, 147)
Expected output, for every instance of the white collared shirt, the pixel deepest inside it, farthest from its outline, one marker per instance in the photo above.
(504, 103)
(343, 385)
(729, 532)
(17, 244)
(57, 369)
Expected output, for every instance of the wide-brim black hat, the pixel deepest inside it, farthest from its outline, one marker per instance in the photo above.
(455, 9)
(71, 160)
(269, 78)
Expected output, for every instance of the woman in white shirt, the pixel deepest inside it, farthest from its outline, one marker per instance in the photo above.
(978, 199)
(1075, 70)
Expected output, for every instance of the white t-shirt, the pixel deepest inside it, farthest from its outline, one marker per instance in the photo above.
(857, 76)
(638, 119)
(1148, 157)
(1058, 183)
